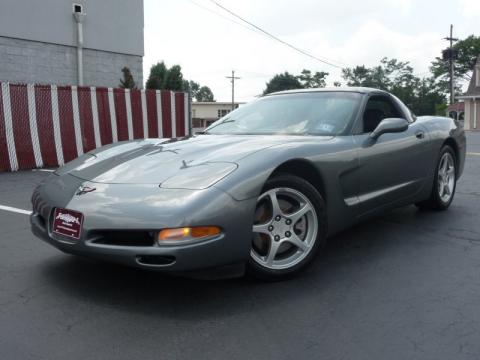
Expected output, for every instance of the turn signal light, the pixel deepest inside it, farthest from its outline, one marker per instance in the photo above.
(187, 233)
(204, 231)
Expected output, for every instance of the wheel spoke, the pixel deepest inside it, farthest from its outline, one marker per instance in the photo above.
(444, 164)
(276, 210)
(272, 252)
(295, 240)
(441, 188)
(299, 213)
(261, 228)
(440, 178)
(447, 190)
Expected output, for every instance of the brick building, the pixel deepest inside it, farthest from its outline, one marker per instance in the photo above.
(40, 43)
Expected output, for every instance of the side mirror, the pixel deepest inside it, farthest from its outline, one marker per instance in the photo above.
(389, 125)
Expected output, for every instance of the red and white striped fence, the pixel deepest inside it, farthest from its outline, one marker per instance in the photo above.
(48, 125)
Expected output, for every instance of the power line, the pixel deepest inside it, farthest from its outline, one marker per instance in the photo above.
(329, 62)
(223, 16)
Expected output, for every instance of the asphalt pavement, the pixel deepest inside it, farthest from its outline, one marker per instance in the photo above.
(403, 286)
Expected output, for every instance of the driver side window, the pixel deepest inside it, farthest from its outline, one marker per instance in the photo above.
(377, 109)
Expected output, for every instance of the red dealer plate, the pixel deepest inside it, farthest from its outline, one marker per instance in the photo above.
(67, 223)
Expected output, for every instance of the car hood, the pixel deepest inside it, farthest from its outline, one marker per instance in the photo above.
(153, 161)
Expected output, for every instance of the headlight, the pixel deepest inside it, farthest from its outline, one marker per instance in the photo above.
(186, 234)
(198, 177)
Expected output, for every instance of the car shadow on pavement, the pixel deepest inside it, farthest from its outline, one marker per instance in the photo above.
(349, 256)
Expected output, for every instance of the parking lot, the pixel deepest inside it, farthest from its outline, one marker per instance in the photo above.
(403, 286)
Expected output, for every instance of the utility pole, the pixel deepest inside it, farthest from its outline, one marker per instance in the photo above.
(232, 79)
(450, 55)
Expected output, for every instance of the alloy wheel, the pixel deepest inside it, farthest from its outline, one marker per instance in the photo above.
(446, 177)
(285, 228)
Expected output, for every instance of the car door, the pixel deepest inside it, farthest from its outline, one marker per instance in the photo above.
(392, 168)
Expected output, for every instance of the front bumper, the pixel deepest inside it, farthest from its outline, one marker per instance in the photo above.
(148, 208)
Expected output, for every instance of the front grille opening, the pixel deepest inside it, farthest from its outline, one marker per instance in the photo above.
(124, 238)
(156, 260)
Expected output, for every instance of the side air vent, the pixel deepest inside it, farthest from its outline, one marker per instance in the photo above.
(155, 260)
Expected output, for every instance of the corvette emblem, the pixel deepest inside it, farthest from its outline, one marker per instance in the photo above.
(84, 189)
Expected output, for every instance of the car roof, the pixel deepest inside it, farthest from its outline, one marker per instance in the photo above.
(362, 90)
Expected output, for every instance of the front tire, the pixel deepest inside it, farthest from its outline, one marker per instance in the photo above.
(290, 226)
(444, 183)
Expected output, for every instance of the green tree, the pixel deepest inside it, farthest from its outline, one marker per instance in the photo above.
(163, 78)
(191, 87)
(468, 50)
(428, 98)
(318, 79)
(158, 76)
(422, 96)
(285, 81)
(204, 94)
(174, 79)
(199, 93)
(127, 82)
(389, 74)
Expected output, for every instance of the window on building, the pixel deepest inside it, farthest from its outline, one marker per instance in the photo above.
(194, 113)
(197, 123)
(222, 112)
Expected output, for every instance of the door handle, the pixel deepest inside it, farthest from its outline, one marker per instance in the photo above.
(420, 134)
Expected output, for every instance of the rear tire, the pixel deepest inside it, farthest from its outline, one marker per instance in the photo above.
(290, 226)
(444, 182)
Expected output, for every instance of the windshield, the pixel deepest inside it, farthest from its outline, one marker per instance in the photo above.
(316, 113)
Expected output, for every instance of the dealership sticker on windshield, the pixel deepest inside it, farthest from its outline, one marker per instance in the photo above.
(67, 223)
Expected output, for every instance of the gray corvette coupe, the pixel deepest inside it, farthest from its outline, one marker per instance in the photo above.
(261, 189)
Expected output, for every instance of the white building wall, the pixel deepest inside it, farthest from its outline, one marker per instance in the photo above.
(467, 115)
(209, 111)
(476, 115)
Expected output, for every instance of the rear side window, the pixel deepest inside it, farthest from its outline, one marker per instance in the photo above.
(385, 105)
(377, 109)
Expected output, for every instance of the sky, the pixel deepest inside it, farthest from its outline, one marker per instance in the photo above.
(208, 43)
